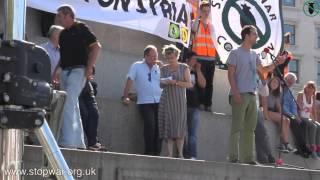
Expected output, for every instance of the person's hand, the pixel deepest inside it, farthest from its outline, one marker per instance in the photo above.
(296, 118)
(55, 79)
(266, 116)
(89, 73)
(237, 98)
(126, 101)
(172, 82)
(198, 67)
(299, 120)
(281, 59)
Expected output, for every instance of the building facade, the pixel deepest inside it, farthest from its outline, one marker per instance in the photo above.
(303, 22)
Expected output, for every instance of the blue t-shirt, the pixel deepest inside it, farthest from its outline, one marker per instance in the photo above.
(245, 62)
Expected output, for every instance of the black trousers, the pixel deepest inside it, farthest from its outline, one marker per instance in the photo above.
(207, 68)
(298, 131)
(89, 113)
(149, 113)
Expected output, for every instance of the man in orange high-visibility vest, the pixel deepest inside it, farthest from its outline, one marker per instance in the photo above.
(202, 45)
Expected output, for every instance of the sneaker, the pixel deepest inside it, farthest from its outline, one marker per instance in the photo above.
(283, 148)
(271, 159)
(302, 154)
(290, 148)
(314, 156)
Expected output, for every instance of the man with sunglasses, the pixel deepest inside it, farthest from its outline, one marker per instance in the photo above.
(145, 75)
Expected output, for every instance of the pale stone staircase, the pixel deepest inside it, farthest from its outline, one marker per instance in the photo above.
(121, 131)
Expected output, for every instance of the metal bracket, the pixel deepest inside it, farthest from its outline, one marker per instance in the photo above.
(15, 117)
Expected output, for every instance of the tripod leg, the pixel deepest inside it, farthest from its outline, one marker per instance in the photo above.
(12, 149)
(53, 152)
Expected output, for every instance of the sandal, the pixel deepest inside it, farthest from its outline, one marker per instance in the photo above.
(97, 147)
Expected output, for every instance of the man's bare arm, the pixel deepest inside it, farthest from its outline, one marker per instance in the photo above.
(94, 50)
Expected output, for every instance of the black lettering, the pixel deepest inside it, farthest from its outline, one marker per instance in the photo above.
(261, 55)
(152, 6)
(173, 6)
(263, 1)
(166, 9)
(124, 3)
(115, 7)
(104, 3)
(86, 1)
(271, 47)
(221, 37)
(228, 46)
(268, 7)
(273, 17)
(183, 15)
(216, 4)
(142, 9)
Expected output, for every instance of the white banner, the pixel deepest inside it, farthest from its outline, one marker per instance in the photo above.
(169, 19)
(228, 18)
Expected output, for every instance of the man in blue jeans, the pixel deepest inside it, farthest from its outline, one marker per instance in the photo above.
(79, 49)
(193, 103)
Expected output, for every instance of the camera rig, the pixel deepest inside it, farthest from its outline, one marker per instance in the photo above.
(24, 89)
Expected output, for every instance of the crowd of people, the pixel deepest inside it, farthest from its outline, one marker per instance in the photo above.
(171, 93)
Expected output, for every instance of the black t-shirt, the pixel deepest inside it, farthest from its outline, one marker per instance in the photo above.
(74, 45)
(193, 93)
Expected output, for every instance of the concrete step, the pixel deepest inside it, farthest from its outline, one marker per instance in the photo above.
(121, 130)
(120, 166)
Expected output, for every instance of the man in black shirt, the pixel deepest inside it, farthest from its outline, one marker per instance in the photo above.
(79, 49)
(193, 103)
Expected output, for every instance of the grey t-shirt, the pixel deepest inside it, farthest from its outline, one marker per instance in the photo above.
(246, 62)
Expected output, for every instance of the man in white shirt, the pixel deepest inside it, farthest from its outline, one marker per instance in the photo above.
(145, 75)
(52, 46)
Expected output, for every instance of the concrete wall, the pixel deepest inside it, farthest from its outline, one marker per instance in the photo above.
(121, 129)
(114, 166)
(120, 48)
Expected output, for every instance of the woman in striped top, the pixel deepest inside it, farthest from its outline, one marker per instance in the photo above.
(175, 78)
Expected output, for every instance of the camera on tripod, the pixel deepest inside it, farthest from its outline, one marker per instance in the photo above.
(24, 89)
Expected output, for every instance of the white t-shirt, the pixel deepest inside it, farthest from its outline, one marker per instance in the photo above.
(306, 108)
